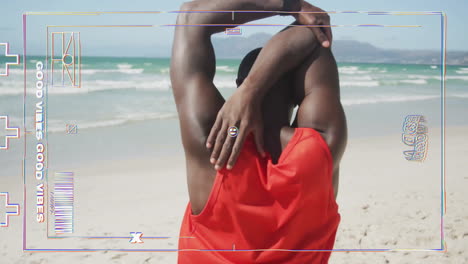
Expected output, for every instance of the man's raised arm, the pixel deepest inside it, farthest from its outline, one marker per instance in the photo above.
(192, 72)
(193, 59)
(223, 12)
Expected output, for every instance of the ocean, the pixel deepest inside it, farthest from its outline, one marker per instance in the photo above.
(121, 90)
(128, 100)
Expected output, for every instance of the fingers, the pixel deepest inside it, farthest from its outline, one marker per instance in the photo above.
(230, 148)
(225, 152)
(259, 140)
(328, 32)
(235, 149)
(239, 142)
(328, 29)
(321, 37)
(219, 143)
(214, 132)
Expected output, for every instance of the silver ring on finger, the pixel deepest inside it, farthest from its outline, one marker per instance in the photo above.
(233, 131)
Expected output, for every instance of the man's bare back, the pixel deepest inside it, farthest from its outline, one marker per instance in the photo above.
(315, 88)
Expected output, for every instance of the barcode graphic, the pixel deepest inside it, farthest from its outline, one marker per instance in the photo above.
(64, 199)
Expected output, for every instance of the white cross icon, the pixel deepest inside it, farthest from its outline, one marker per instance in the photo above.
(136, 237)
(16, 209)
(7, 54)
(15, 133)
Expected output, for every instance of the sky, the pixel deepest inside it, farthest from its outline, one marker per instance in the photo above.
(157, 41)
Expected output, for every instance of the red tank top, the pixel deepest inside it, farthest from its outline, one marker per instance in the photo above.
(260, 212)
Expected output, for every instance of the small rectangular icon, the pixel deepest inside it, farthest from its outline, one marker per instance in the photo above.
(72, 129)
(233, 31)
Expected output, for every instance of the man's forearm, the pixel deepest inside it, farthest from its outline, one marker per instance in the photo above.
(193, 17)
(284, 52)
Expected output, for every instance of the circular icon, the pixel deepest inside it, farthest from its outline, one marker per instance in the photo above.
(233, 131)
(68, 59)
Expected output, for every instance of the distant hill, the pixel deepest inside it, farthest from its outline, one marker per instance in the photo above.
(344, 51)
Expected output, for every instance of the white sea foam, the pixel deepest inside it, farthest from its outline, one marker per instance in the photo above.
(20, 71)
(159, 83)
(351, 70)
(420, 76)
(387, 99)
(436, 77)
(17, 88)
(360, 83)
(124, 66)
(225, 68)
(122, 70)
(165, 70)
(417, 81)
(223, 83)
(357, 78)
(462, 71)
(147, 84)
(11, 91)
(459, 95)
(58, 125)
(455, 77)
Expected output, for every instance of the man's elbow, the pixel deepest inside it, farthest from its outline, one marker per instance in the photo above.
(184, 15)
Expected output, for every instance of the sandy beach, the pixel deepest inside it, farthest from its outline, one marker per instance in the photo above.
(380, 209)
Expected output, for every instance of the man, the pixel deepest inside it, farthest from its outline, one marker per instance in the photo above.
(261, 203)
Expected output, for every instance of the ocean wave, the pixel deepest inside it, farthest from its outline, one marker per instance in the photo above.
(420, 76)
(224, 68)
(124, 66)
(94, 86)
(357, 78)
(417, 81)
(459, 95)
(20, 71)
(122, 70)
(11, 87)
(59, 126)
(387, 99)
(462, 71)
(223, 84)
(452, 77)
(165, 70)
(351, 70)
(157, 83)
(360, 83)
(434, 77)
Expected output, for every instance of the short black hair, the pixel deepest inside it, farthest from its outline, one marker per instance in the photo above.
(246, 65)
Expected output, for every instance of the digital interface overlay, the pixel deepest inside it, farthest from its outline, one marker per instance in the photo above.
(58, 189)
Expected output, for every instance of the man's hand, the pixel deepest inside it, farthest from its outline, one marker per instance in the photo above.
(242, 110)
(316, 16)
